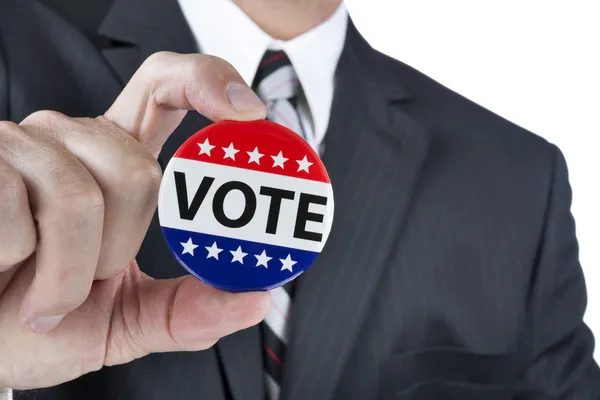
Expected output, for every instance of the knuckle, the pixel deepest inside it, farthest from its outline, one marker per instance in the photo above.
(17, 242)
(13, 252)
(143, 174)
(8, 127)
(12, 181)
(44, 118)
(159, 56)
(210, 66)
(136, 177)
(78, 196)
(85, 126)
(155, 60)
(10, 133)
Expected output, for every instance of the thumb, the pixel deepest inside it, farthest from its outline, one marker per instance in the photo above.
(182, 314)
(159, 94)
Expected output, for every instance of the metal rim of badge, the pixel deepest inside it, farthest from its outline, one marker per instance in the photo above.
(245, 206)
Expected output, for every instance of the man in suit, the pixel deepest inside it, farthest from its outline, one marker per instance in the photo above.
(451, 271)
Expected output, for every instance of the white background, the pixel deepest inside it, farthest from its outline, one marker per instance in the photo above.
(534, 62)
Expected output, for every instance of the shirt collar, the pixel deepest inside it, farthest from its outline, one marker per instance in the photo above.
(222, 29)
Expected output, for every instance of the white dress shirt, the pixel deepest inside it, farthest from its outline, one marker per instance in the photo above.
(222, 29)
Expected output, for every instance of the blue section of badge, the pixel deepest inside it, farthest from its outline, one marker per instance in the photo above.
(190, 249)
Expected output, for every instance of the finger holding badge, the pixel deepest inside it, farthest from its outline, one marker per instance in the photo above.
(245, 206)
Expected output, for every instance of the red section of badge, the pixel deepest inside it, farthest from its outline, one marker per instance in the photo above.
(257, 145)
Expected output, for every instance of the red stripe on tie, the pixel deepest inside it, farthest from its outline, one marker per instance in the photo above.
(272, 355)
(274, 57)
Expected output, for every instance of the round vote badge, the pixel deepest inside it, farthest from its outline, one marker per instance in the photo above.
(245, 206)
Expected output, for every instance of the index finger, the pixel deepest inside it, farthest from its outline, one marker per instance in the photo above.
(167, 85)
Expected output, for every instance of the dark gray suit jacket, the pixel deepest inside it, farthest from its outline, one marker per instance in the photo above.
(452, 267)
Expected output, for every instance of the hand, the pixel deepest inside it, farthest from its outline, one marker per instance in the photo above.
(76, 199)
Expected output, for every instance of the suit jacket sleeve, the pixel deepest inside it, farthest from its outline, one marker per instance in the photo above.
(562, 365)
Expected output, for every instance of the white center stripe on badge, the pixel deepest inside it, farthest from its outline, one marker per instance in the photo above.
(234, 203)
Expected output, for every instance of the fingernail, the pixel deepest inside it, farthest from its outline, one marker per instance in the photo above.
(242, 98)
(46, 324)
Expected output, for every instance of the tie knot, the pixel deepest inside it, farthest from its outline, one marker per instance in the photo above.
(275, 78)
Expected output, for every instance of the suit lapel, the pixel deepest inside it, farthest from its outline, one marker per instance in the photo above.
(242, 361)
(139, 28)
(373, 152)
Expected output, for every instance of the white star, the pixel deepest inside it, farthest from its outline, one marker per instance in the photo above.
(238, 255)
(287, 263)
(213, 251)
(254, 156)
(303, 164)
(262, 259)
(188, 247)
(230, 151)
(205, 147)
(278, 160)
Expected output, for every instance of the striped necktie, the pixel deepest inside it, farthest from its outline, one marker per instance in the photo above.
(278, 87)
